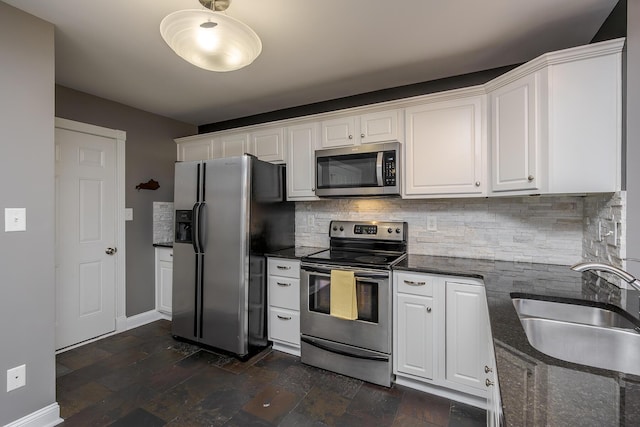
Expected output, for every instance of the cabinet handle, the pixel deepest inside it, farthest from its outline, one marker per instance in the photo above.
(530, 177)
(283, 284)
(171, 255)
(350, 136)
(283, 267)
(487, 369)
(477, 183)
(289, 318)
(428, 309)
(412, 283)
(488, 382)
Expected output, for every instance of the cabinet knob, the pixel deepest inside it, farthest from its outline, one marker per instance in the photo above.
(487, 369)
(362, 135)
(488, 382)
(530, 178)
(477, 183)
(350, 136)
(110, 251)
(428, 309)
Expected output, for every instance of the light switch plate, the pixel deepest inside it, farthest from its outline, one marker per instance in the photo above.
(432, 223)
(15, 219)
(16, 377)
(128, 214)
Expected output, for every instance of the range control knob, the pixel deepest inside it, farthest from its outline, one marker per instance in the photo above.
(335, 228)
(390, 230)
(341, 228)
(398, 230)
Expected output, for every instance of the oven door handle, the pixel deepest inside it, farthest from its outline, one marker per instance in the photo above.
(358, 274)
(331, 349)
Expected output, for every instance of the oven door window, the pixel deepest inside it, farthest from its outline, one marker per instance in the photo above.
(366, 297)
(346, 171)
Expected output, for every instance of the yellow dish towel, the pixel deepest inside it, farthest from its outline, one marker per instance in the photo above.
(343, 295)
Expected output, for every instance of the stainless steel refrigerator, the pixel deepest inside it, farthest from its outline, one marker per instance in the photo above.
(229, 212)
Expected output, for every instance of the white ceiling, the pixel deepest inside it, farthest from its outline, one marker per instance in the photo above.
(312, 50)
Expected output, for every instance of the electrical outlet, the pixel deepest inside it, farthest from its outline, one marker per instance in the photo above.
(612, 234)
(16, 377)
(432, 223)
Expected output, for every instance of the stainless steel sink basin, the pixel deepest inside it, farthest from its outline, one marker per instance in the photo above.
(527, 307)
(581, 334)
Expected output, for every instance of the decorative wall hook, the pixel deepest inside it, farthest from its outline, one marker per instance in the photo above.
(149, 185)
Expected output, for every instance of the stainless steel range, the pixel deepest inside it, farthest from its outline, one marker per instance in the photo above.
(359, 348)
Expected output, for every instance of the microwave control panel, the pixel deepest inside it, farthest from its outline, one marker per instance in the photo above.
(389, 168)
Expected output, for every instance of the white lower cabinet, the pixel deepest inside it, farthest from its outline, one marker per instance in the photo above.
(283, 295)
(441, 335)
(164, 279)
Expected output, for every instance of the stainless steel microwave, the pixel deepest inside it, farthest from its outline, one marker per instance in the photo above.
(363, 170)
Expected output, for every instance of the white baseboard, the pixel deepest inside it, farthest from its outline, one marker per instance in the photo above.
(145, 318)
(48, 416)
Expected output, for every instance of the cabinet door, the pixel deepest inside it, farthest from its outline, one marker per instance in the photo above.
(515, 135)
(444, 148)
(268, 145)
(195, 150)
(339, 132)
(379, 127)
(415, 339)
(301, 176)
(164, 279)
(466, 335)
(233, 144)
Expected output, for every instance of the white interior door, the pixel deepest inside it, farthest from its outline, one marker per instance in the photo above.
(86, 230)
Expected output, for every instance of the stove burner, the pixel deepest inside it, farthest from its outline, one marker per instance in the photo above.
(372, 259)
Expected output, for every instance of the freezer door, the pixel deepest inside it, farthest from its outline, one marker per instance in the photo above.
(226, 254)
(185, 313)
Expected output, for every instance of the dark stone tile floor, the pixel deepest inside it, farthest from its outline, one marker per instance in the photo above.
(143, 377)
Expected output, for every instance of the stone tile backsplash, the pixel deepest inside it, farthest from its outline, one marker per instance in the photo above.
(541, 229)
(163, 222)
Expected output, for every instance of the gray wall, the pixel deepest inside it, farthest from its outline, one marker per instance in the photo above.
(633, 136)
(26, 181)
(150, 153)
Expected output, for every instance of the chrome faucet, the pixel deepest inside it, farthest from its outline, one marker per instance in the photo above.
(597, 266)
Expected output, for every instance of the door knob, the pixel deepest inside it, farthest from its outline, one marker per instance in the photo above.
(110, 251)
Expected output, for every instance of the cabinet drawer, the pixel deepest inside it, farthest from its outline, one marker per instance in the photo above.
(414, 284)
(284, 292)
(165, 254)
(284, 267)
(284, 325)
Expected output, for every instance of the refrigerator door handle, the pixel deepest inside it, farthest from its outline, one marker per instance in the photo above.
(202, 226)
(195, 231)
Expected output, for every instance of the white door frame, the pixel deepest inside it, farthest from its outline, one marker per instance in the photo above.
(120, 138)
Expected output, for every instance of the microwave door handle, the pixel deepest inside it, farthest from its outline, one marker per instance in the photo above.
(379, 168)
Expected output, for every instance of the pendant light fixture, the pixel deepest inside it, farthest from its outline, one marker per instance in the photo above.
(210, 39)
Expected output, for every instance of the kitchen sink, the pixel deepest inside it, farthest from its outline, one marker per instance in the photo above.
(582, 334)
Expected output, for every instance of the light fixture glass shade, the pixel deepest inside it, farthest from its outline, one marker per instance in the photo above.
(210, 40)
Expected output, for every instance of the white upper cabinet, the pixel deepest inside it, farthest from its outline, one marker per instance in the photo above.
(196, 149)
(367, 128)
(302, 142)
(268, 144)
(556, 123)
(444, 152)
(233, 144)
(515, 130)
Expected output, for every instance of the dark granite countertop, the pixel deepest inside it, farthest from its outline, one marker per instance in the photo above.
(536, 389)
(163, 245)
(295, 253)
